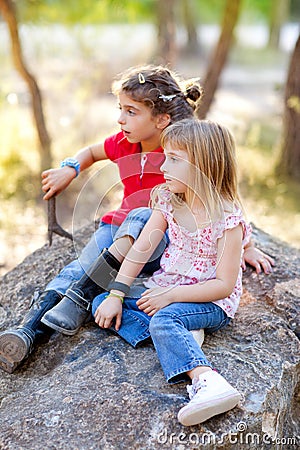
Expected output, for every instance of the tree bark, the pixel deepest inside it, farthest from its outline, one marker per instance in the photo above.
(7, 9)
(189, 19)
(219, 57)
(166, 32)
(290, 150)
(279, 14)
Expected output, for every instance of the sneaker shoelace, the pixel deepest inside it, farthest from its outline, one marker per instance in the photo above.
(195, 386)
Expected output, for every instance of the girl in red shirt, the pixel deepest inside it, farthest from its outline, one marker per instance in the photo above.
(150, 98)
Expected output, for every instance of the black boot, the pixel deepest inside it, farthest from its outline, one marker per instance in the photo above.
(17, 344)
(74, 309)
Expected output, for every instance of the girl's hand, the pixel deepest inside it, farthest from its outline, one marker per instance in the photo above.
(55, 181)
(155, 299)
(257, 259)
(109, 309)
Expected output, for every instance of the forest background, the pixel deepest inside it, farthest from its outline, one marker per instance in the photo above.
(74, 49)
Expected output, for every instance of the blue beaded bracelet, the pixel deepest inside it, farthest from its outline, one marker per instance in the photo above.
(71, 162)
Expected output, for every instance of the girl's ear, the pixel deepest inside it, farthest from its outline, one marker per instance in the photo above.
(162, 121)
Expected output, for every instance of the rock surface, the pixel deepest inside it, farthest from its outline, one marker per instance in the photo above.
(93, 391)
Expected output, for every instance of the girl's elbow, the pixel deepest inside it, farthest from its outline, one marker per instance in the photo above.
(228, 292)
(227, 289)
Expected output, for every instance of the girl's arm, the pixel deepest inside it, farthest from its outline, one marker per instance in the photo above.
(143, 248)
(228, 266)
(138, 255)
(55, 181)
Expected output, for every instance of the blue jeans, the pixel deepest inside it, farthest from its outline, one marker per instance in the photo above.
(103, 238)
(169, 328)
(177, 350)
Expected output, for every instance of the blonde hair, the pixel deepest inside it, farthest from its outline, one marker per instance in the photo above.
(211, 152)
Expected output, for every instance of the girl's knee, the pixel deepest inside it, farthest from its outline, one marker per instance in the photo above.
(134, 223)
(159, 321)
(142, 213)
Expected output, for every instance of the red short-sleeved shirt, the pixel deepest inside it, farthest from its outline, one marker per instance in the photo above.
(139, 172)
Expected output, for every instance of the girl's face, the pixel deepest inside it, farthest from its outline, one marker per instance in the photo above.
(138, 124)
(176, 169)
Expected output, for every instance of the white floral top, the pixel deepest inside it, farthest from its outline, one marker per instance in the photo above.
(191, 257)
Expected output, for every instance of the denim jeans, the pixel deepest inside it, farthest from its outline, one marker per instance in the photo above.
(169, 328)
(176, 347)
(103, 238)
(132, 226)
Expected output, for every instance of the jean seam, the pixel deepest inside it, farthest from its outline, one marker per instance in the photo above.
(136, 318)
(67, 277)
(191, 350)
(141, 338)
(223, 324)
(176, 316)
(190, 366)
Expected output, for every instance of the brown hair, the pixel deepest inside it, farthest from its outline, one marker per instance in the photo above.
(161, 90)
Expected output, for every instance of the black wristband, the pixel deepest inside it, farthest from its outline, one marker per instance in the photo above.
(122, 287)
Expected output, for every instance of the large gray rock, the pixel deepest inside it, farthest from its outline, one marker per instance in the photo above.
(93, 391)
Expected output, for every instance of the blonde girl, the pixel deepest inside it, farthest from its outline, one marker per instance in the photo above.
(199, 283)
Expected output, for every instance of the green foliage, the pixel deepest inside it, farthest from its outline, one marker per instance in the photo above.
(16, 178)
(295, 10)
(271, 203)
(263, 136)
(261, 10)
(257, 9)
(123, 11)
(85, 12)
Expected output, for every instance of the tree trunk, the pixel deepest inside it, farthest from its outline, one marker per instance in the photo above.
(279, 14)
(219, 57)
(290, 153)
(8, 12)
(166, 36)
(189, 19)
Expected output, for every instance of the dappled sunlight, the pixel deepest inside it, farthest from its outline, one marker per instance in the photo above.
(271, 204)
(75, 76)
(23, 229)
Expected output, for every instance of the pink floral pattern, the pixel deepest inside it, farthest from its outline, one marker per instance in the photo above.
(191, 257)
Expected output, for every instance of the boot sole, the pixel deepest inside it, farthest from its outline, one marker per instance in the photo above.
(195, 414)
(58, 328)
(13, 349)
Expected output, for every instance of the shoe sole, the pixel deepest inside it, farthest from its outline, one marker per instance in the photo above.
(13, 350)
(195, 414)
(58, 328)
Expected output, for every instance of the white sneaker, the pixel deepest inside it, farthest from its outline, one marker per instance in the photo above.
(210, 395)
(198, 336)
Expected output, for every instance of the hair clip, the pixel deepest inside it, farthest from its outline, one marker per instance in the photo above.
(141, 78)
(166, 98)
